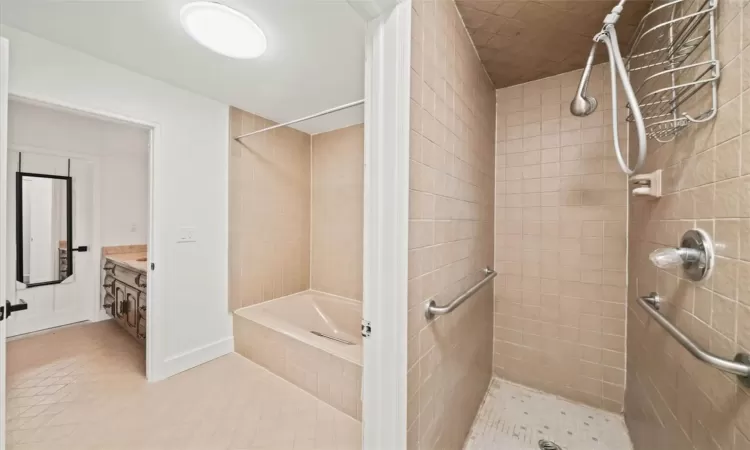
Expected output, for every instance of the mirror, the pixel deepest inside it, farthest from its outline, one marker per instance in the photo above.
(43, 229)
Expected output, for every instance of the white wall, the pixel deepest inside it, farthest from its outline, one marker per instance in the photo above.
(188, 319)
(120, 151)
(123, 213)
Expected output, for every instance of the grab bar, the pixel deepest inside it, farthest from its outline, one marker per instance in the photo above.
(434, 310)
(741, 364)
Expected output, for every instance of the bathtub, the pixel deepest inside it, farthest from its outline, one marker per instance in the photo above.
(311, 339)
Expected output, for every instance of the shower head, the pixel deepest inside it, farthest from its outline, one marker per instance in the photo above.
(582, 104)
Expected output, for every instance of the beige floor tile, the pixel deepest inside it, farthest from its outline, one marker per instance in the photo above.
(83, 387)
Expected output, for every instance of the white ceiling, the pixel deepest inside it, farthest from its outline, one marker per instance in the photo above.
(314, 61)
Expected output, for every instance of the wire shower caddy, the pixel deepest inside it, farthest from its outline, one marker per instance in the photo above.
(673, 66)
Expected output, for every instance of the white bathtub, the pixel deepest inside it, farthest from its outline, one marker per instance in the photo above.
(284, 335)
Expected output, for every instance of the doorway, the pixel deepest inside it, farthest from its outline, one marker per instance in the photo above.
(78, 226)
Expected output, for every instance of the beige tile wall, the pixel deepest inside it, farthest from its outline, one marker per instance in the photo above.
(296, 211)
(328, 377)
(269, 211)
(560, 244)
(338, 211)
(672, 401)
(450, 227)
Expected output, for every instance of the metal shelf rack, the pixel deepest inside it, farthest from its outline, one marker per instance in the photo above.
(674, 67)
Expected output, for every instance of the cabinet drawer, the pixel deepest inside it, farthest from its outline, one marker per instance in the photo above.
(133, 278)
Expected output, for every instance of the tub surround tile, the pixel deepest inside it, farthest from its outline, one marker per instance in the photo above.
(337, 212)
(295, 211)
(328, 377)
(269, 211)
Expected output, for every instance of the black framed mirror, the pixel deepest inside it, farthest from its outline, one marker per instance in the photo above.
(44, 228)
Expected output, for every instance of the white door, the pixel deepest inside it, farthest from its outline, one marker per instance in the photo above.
(44, 241)
(3, 219)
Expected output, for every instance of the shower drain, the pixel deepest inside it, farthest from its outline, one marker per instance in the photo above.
(548, 445)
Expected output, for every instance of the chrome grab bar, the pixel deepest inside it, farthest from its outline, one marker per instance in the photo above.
(434, 310)
(741, 364)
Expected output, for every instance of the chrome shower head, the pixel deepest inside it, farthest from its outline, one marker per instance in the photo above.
(582, 104)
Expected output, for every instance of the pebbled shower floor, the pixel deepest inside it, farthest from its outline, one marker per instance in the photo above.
(514, 417)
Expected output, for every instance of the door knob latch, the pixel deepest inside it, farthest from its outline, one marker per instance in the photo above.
(8, 309)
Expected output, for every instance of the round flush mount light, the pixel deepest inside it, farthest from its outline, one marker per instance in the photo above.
(223, 30)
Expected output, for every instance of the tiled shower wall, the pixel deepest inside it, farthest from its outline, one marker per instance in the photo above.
(450, 227)
(338, 161)
(672, 400)
(269, 211)
(560, 244)
(283, 184)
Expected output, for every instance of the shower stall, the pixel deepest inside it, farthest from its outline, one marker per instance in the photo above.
(632, 306)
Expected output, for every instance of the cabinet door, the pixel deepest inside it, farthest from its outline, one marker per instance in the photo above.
(131, 309)
(120, 302)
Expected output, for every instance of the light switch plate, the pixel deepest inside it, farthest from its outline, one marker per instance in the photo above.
(187, 234)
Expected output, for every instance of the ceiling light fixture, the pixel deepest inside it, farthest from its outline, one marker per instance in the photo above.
(223, 30)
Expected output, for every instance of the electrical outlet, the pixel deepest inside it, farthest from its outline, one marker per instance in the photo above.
(187, 234)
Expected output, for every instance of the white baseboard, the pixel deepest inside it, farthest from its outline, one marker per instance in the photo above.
(193, 358)
(101, 315)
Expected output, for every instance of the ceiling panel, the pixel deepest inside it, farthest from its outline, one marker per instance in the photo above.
(520, 41)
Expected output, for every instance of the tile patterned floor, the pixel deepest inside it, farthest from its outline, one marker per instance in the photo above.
(83, 388)
(514, 417)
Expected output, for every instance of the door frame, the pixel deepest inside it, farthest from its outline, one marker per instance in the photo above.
(386, 224)
(4, 70)
(153, 287)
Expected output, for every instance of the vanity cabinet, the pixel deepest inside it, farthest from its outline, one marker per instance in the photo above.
(124, 297)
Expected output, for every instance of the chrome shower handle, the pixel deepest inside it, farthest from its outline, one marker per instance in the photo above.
(583, 105)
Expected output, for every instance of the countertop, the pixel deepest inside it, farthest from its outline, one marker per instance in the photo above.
(130, 260)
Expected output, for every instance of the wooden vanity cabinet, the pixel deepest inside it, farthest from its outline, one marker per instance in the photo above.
(125, 290)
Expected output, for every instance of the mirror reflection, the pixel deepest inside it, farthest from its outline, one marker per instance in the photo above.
(43, 234)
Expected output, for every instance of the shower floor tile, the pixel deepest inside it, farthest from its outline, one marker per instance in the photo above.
(514, 417)
(83, 388)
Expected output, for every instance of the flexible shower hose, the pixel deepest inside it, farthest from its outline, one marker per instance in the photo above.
(617, 67)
